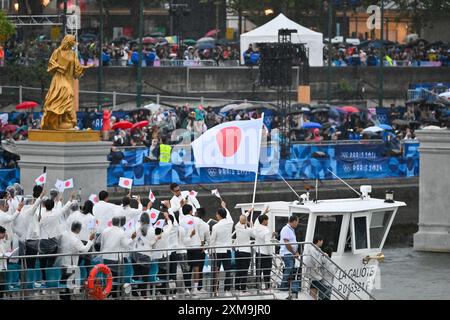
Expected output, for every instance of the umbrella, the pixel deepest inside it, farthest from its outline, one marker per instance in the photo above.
(373, 129)
(400, 122)
(9, 128)
(190, 42)
(153, 107)
(385, 127)
(27, 105)
(122, 39)
(212, 33)
(229, 107)
(311, 125)
(445, 95)
(162, 40)
(149, 40)
(333, 112)
(206, 39)
(122, 125)
(140, 124)
(9, 146)
(171, 39)
(349, 109)
(205, 45)
(318, 110)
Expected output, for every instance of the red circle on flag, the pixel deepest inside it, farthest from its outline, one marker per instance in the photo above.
(67, 183)
(158, 223)
(41, 179)
(153, 215)
(229, 140)
(126, 182)
(191, 222)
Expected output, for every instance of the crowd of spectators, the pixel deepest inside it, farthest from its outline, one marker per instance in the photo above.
(334, 125)
(119, 54)
(418, 53)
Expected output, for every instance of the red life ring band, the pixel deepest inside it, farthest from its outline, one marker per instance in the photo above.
(94, 288)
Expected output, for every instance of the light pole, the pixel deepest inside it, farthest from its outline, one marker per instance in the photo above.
(381, 54)
(100, 64)
(64, 17)
(330, 48)
(139, 66)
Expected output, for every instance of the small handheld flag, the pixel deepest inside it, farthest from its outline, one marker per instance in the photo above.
(59, 185)
(68, 184)
(41, 179)
(125, 183)
(216, 193)
(160, 223)
(151, 196)
(93, 198)
(63, 185)
(193, 193)
(153, 213)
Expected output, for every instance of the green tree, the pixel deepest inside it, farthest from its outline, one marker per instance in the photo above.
(7, 29)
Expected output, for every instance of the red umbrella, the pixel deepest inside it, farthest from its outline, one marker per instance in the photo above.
(212, 33)
(9, 128)
(27, 105)
(349, 109)
(122, 125)
(149, 40)
(139, 125)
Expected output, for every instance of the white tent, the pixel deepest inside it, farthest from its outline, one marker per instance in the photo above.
(269, 33)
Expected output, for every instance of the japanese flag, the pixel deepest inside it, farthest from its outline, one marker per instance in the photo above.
(93, 198)
(216, 193)
(231, 145)
(159, 224)
(41, 179)
(153, 213)
(68, 184)
(151, 196)
(125, 183)
(188, 223)
(59, 185)
(91, 224)
(192, 193)
(130, 225)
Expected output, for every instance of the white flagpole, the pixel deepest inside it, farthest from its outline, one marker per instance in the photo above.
(256, 174)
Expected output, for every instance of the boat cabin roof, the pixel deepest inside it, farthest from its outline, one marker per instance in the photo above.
(351, 205)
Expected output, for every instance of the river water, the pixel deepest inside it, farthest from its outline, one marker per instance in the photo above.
(408, 274)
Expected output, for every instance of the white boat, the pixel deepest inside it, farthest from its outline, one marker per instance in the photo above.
(355, 228)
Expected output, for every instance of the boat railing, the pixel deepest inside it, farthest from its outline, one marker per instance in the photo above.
(224, 272)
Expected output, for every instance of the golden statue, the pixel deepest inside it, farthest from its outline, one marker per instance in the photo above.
(59, 111)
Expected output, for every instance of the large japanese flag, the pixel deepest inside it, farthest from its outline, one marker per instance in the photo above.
(231, 145)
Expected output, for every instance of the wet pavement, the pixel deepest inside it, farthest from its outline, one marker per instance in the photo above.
(408, 274)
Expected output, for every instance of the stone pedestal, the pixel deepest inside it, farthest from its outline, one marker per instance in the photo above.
(85, 162)
(434, 191)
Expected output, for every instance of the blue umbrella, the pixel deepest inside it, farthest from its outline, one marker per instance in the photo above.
(333, 112)
(311, 125)
(385, 127)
